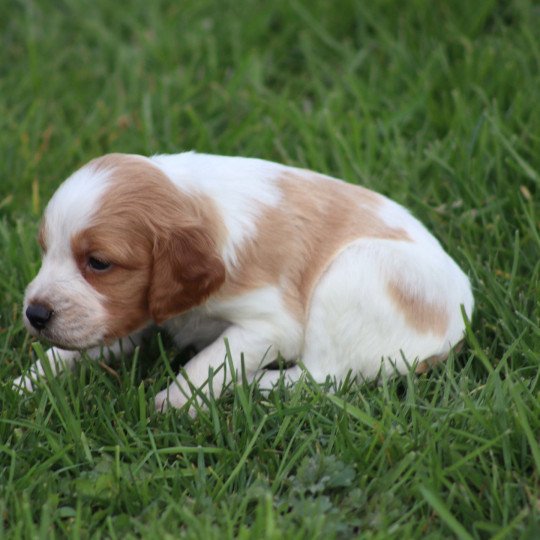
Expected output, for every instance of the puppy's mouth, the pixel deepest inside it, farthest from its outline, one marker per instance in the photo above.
(61, 343)
(72, 339)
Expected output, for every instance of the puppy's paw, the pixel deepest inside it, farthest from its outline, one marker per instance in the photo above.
(173, 398)
(23, 385)
(181, 395)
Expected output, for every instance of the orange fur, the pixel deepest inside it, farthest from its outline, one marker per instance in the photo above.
(162, 243)
(169, 241)
(297, 240)
(421, 315)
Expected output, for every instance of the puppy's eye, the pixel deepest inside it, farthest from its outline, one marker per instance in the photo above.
(98, 265)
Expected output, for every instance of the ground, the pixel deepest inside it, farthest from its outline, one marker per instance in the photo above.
(432, 103)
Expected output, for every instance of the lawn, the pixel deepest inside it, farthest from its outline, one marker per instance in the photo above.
(433, 103)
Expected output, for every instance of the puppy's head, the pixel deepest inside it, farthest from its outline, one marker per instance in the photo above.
(121, 246)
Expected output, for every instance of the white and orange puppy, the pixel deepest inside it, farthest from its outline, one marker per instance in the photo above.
(272, 259)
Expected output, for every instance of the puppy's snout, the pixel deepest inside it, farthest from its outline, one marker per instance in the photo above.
(38, 315)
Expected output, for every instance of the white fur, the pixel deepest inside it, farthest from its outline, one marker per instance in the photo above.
(79, 313)
(68, 212)
(352, 324)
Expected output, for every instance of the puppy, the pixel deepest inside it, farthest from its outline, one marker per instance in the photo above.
(258, 257)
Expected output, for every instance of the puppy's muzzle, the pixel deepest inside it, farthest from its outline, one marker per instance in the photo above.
(38, 315)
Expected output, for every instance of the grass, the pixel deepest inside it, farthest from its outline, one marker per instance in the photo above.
(432, 103)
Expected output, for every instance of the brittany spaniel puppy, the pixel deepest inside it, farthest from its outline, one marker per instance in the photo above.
(258, 257)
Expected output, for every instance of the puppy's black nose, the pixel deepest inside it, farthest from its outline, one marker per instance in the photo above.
(38, 315)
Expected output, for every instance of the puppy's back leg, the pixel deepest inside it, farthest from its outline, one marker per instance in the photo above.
(384, 304)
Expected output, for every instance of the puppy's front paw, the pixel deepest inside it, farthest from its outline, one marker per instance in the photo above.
(23, 385)
(171, 397)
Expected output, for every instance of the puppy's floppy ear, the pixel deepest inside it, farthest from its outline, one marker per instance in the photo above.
(187, 268)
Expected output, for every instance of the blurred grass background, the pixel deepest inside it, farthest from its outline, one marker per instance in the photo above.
(432, 103)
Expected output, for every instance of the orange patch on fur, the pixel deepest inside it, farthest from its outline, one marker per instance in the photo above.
(420, 314)
(296, 240)
(163, 244)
